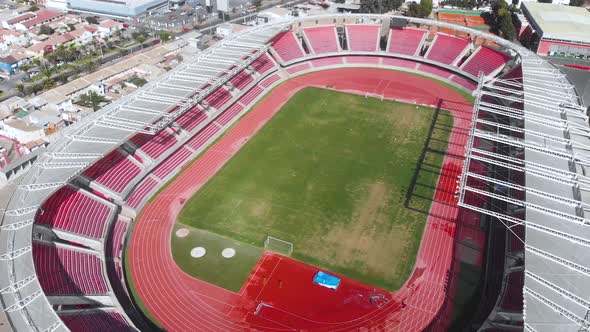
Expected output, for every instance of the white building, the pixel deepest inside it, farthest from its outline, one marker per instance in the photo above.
(108, 28)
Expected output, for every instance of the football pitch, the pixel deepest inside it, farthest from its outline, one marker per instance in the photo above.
(330, 173)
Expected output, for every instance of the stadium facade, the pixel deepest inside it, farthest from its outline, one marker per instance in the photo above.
(123, 9)
(557, 30)
(536, 178)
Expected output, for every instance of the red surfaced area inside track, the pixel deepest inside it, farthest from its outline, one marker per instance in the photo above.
(182, 303)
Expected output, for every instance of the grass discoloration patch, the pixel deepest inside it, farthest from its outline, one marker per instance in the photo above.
(328, 173)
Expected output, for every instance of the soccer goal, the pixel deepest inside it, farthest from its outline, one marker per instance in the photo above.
(279, 246)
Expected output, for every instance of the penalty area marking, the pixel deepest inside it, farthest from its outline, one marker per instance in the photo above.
(198, 252)
(182, 232)
(228, 252)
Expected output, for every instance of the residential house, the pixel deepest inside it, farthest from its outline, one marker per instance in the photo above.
(22, 131)
(11, 62)
(34, 126)
(43, 16)
(108, 27)
(83, 35)
(49, 45)
(11, 23)
(12, 105)
(15, 37)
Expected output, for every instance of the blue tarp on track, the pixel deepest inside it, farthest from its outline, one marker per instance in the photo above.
(326, 280)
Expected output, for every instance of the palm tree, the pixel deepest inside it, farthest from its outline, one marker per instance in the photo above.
(89, 65)
(71, 53)
(47, 73)
(21, 89)
(60, 52)
(25, 68)
(140, 39)
(48, 84)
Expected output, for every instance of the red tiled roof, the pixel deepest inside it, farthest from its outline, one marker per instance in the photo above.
(6, 32)
(42, 15)
(53, 41)
(89, 28)
(20, 18)
(109, 24)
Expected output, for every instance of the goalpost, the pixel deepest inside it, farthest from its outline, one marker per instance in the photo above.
(279, 246)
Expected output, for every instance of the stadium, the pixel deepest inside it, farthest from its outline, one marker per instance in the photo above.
(423, 149)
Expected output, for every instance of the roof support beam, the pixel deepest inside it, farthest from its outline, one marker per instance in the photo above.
(548, 172)
(513, 221)
(90, 139)
(57, 165)
(16, 286)
(64, 155)
(563, 292)
(40, 186)
(169, 85)
(24, 302)
(17, 225)
(562, 311)
(559, 214)
(21, 211)
(15, 253)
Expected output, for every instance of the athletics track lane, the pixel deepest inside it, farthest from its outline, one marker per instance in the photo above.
(182, 303)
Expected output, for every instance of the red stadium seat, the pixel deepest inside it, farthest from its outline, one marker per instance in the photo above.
(63, 271)
(446, 49)
(72, 211)
(323, 39)
(363, 37)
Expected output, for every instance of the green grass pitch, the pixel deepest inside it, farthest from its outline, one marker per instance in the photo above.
(329, 173)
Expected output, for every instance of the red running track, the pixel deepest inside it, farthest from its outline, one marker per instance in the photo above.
(182, 303)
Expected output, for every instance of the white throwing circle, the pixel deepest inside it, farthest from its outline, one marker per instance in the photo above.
(198, 252)
(182, 232)
(228, 252)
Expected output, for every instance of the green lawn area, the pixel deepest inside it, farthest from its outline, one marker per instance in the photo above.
(330, 173)
(229, 273)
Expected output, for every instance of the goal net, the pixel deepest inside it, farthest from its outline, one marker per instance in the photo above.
(279, 246)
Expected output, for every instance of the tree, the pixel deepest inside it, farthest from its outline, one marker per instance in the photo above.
(165, 36)
(21, 89)
(91, 20)
(51, 57)
(33, 8)
(257, 3)
(421, 10)
(381, 6)
(500, 19)
(92, 99)
(25, 68)
(89, 65)
(71, 27)
(46, 30)
(506, 26)
(140, 39)
(426, 7)
(48, 84)
(137, 81)
(47, 73)
(577, 3)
